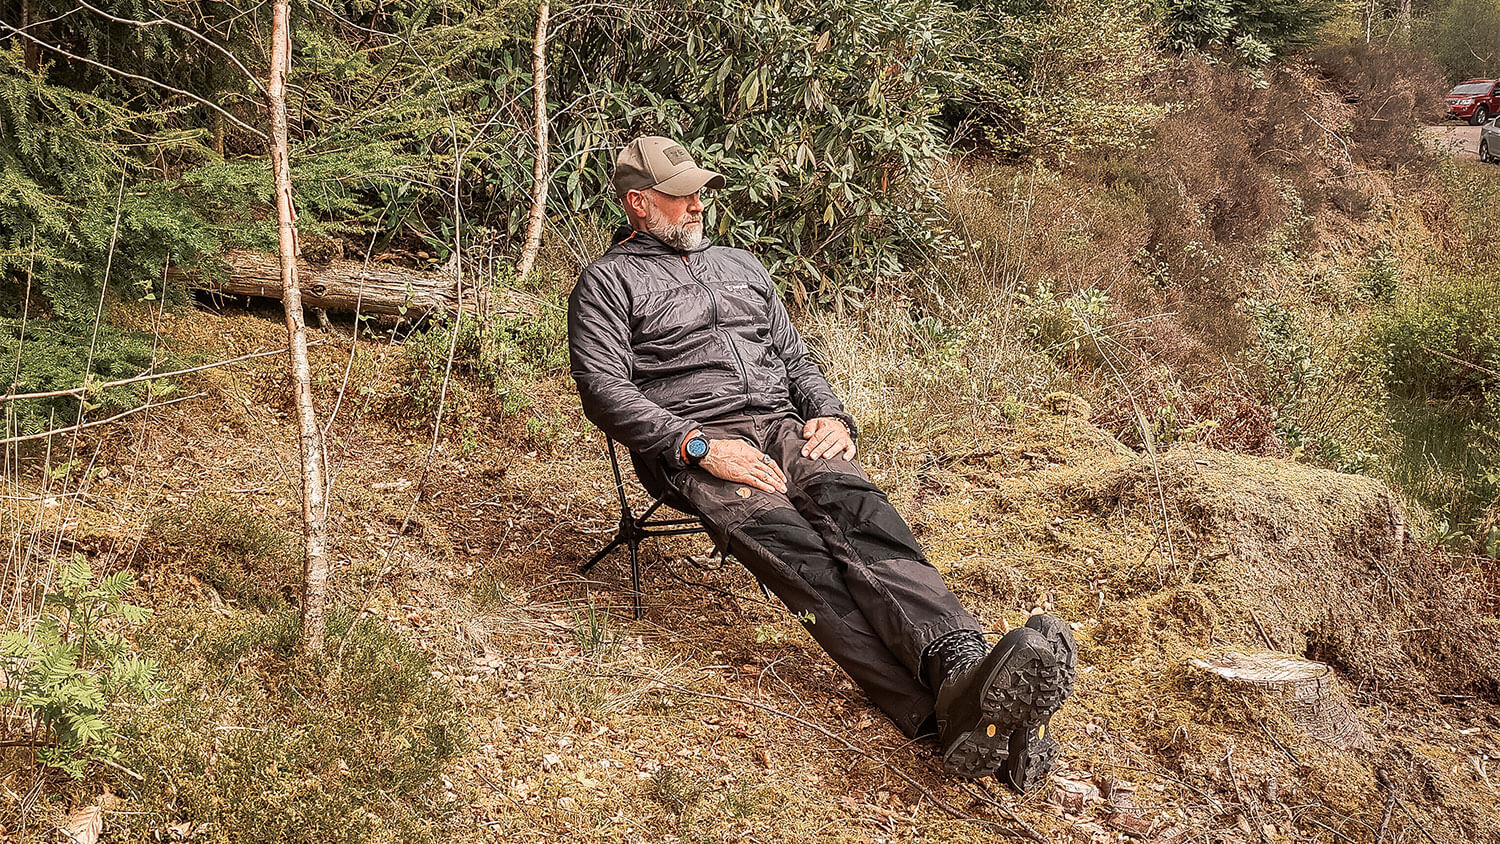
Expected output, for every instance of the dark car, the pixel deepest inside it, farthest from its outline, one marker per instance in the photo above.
(1474, 100)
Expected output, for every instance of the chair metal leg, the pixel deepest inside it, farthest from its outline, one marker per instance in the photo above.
(603, 552)
(635, 575)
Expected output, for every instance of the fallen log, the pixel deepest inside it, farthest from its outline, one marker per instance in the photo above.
(343, 286)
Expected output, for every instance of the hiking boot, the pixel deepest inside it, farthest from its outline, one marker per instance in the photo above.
(996, 704)
(1031, 750)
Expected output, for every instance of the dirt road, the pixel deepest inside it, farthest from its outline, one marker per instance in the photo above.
(1456, 139)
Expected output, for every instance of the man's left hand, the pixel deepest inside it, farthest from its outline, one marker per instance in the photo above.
(826, 437)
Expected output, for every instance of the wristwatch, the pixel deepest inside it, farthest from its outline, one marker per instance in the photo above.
(695, 449)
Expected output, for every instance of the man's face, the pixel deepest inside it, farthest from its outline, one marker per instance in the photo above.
(674, 220)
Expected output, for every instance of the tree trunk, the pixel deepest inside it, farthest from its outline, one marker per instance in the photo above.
(539, 175)
(309, 439)
(31, 55)
(342, 286)
(1403, 15)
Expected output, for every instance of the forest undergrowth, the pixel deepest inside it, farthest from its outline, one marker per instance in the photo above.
(1228, 386)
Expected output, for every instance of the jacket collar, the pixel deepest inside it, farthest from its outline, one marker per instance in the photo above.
(634, 242)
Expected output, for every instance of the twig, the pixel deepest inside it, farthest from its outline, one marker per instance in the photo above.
(124, 770)
(1030, 832)
(72, 428)
(1341, 835)
(1385, 819)
(149, 377)
(1262, 629)
(1384, 779)
(1279, 745)
(1335, 135)
(1250, 808)
(1490, 372)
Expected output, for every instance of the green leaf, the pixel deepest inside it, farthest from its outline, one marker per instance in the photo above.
(75, 574)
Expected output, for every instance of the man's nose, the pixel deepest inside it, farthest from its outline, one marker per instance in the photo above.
(695, 204)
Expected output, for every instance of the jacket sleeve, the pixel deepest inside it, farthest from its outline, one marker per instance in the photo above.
(599, 347)
(810, 391)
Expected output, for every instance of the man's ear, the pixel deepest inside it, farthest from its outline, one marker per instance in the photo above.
(635, 204)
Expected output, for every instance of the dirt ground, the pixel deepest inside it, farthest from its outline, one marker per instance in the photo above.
(715, 717)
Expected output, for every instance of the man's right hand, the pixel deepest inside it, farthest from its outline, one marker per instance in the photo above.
(743, 463)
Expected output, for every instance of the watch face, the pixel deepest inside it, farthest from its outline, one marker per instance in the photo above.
(697, 448)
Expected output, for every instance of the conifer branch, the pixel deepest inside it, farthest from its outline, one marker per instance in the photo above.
(162, 21)
(164, 86)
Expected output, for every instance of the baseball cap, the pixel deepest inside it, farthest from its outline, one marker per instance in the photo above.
(661, 163)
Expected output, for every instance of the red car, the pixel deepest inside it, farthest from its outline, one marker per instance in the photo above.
(1475, 100)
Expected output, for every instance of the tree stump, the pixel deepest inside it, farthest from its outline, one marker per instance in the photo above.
(1307, 690)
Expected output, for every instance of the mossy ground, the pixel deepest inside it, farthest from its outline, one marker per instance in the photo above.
(490, 693)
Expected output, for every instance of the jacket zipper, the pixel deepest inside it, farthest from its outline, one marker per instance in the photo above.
(713, 310)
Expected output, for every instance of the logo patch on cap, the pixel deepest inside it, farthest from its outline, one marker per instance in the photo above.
(675, 154)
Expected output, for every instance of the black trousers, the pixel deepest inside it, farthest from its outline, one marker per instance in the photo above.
(836, 552)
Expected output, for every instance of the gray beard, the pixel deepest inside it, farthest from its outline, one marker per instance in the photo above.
(681, 238)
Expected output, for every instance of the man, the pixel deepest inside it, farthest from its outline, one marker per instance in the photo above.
(683, 351)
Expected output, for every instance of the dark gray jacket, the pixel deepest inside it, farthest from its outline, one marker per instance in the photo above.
(662, 341)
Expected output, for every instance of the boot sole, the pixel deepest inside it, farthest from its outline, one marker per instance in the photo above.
(1031, 751)
(1024, 680)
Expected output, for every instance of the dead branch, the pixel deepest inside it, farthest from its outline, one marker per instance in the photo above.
(78, 391)
(342, 286)
(83, 425)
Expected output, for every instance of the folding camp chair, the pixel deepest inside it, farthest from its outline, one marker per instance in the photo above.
(632, 529)
(635, 528)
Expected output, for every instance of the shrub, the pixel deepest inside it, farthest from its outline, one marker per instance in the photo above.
(818, 113)
(490, 356)
(1442, 346)
(257, 745)
(1437, 353)
(1254, 31)
(1464, 37)
(1057, 78)
(75, 666)
(1393, 90)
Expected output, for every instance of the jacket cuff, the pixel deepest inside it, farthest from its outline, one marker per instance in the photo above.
(673, 458)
